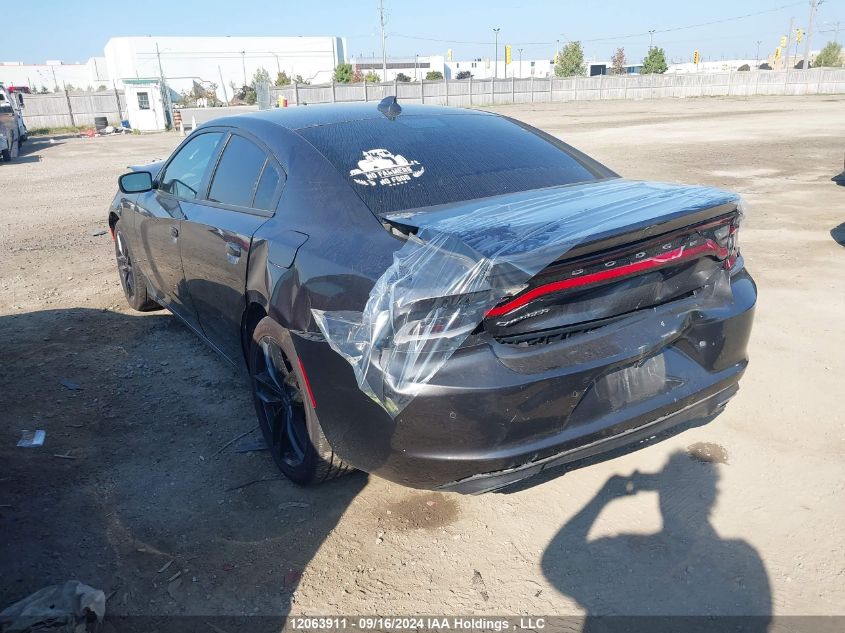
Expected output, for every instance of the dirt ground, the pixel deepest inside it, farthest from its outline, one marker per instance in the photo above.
(131, 487)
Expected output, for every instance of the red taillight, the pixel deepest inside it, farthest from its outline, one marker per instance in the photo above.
(721, 243)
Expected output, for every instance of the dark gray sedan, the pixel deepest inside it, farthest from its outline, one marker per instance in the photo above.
(447, 298)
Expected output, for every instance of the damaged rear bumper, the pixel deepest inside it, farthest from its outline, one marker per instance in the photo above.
(496, 413)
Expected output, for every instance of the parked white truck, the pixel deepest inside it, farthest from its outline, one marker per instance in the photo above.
(13, 131)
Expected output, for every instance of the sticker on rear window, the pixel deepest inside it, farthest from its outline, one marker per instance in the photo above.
(381, 167)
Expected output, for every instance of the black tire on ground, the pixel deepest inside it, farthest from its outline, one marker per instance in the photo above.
(131, 279)
(285, 412)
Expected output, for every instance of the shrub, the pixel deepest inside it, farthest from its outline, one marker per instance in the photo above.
(343, 73)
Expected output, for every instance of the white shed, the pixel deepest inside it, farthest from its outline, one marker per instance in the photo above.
(146, 108)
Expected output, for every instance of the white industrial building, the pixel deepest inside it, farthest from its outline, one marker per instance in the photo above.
(54, 74)
(417, 67)
(414, 67)
(715, 66)
(224, 61)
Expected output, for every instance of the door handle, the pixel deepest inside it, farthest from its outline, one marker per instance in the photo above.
(174, 232)
(233, 250)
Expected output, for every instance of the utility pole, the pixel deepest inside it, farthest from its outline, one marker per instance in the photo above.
(496, 46)
(520, 62)
(383, 49)
(757, 61)
(651, 39)
(223, 85)
(805, 64)
(243, 64)
(165, 91)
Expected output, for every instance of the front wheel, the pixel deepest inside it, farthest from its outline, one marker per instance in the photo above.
(287, 417)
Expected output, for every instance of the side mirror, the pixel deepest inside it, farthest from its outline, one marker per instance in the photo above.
(135, 182)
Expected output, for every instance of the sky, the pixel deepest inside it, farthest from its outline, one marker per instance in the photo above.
(74, 30)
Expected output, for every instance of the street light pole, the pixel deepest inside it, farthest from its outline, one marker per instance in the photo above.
(651, 39)
(805, 64)
(757, 61)
(496, 46)
(383, 49)
(520, 63)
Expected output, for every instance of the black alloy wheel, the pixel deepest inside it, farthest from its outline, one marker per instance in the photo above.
(282, 408)
(286, 413)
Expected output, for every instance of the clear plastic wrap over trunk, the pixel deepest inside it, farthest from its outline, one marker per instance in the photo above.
(465, 259)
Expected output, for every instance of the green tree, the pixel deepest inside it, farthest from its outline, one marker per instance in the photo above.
(372, 77)
(570, 61)
(402, 77)
(44, 90)
(282, 79)
(464, 74)
(247, 94)
(654, 61)
(299, 80)
(102, 88)
(343, 73)
(617, 62)
(433, 75)
(261, 76)
(830, 55)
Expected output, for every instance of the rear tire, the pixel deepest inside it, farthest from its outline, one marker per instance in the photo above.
(6, 154)
(285, 412)
(131, 279)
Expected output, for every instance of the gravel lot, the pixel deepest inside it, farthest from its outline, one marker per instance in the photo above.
(131, 476)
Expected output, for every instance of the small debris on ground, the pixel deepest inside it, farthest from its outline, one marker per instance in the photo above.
(252, 446)
(73, 607)
(69, 384)
(32, 438)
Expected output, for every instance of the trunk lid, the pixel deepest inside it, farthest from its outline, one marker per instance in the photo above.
(627, 246)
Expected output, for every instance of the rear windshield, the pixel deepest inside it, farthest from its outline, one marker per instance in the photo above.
(419, 161)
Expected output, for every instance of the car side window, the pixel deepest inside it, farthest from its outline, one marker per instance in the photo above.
(184, 174)
(268, 184)
(237, 173)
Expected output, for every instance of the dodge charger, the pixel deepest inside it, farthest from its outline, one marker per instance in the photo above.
(447, 298)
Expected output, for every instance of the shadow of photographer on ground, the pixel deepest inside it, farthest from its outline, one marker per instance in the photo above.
(684, 569)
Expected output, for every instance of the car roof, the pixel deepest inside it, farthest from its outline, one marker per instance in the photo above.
(298, 117)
